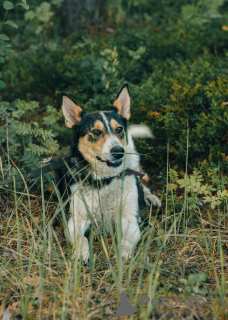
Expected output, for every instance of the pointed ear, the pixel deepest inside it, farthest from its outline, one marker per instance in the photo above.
(71, 112)
(122, 102)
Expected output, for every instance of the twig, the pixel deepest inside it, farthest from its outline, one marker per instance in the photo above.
(7, 141)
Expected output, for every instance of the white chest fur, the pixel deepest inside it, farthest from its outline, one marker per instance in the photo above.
(118, 197)
(117, 202)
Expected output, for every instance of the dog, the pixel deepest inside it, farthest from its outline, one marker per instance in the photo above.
(105, 169)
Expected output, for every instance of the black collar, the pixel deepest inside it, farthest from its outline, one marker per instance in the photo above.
(107, 180)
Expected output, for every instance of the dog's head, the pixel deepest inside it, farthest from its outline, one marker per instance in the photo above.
(100, 137)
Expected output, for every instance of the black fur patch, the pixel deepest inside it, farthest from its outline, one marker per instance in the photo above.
(142, 220)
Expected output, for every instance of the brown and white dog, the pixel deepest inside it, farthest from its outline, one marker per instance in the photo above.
(103, 154)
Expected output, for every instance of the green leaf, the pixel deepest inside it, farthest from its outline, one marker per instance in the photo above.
(203, 188)
(8, 5)
(188, 289)
(4, 37)
(223, 193)
(2, 60)
(2, 84)
(198, 184)
(192, 181)
(9, 50)
(24, 1)
(11, 23)
(24, 5)
(213, 204)
(184, 281)
(197, 277)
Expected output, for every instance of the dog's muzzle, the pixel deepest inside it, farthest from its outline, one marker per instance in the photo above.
(117, 154)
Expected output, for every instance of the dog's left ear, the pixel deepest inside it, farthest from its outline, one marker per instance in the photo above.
(122, 102)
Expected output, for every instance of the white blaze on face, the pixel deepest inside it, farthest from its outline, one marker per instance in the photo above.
(106, 122)
(110, 142)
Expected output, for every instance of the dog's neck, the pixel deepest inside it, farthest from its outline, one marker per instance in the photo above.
(84, 174)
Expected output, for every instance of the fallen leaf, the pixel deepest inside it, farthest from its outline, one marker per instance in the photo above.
(35, 281)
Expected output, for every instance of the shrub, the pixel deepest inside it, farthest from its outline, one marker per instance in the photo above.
(176, 67)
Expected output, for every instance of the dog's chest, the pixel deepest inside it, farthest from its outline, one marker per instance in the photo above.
(106, 201)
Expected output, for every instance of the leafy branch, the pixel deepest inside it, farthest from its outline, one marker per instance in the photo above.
(5, 46)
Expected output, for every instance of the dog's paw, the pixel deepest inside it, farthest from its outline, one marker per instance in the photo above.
(152, 200)
(126, 254)
(85, 258)
(82, 252)
(126, 249)
(81, 255)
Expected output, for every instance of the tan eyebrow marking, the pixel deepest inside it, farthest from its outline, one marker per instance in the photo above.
(98, 125)
(114, 124)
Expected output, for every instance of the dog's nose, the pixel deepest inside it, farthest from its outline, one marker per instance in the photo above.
(117, 152)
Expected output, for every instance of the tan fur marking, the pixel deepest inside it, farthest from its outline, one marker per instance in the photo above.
(122, 141)
(114, 124)
(88, 149)
(122, 104)
(99, 125)
(71, 112)
(116, 104)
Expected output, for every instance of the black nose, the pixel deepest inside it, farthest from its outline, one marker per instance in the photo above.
(117, 152)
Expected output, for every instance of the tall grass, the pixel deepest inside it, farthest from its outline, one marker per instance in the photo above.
(41, 279)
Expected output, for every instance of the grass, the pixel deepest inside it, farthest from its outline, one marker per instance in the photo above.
(182, 253)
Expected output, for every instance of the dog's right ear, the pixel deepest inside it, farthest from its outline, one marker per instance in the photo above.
(71, 112)
(122, 102)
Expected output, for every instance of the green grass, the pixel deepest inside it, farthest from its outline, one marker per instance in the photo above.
(175, 60)
(41, 280)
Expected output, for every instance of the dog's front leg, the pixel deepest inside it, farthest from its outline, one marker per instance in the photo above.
(150, 199)
(77, 226)
(130, 234)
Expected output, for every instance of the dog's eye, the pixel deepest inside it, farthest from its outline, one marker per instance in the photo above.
(96, 132)
(119, 129)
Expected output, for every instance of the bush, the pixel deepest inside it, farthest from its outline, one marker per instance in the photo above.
(175, 64)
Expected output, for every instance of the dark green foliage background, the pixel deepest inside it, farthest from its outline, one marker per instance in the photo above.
(173, 54)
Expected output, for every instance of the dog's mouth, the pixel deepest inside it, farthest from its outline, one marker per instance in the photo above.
(109, 163)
